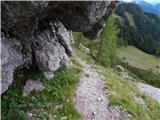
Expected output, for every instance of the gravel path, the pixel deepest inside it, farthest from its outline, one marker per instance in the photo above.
(149, 90)
(91, 100)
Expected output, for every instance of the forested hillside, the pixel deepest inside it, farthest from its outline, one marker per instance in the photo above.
(138, 28)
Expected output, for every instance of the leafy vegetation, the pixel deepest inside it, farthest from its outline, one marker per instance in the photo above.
(103, 49)
(141, 31)
(123, 92)
(52, 103)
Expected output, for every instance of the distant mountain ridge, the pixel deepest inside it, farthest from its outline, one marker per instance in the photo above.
(148, 7)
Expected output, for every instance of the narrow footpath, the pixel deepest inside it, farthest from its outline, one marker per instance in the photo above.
(92, 100)
(149, 90)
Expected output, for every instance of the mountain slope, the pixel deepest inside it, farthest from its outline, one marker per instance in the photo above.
(146, 67)
(158, 6)
(139, 59)
(123, 92)
(138, 28)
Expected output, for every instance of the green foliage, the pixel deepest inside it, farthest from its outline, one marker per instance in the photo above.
(103, 49)
(78, 37)
(145, 34)
(54, 101)
(122, 42)
(108, 43)
(122, 92)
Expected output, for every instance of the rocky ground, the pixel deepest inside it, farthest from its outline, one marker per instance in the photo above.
(149, 90)
(92, 100)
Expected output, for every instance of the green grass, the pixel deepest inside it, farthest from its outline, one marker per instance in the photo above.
(145, 76)
(86, 42)
(58, 92)
(122, 92)
(139, 59)
(130, 19)
(144, 66)
(124, 97)
(103, 48)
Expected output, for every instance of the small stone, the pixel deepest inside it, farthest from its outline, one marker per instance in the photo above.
(64, 118)
(29, 114)
(33, 98)
(120, 68)
(100, 98)
(84, 49)
(106, 92)
(32, 85)
(93, 115)
(49, 75)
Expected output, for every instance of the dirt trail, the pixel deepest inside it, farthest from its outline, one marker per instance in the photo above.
(91, 100)
(149, 90)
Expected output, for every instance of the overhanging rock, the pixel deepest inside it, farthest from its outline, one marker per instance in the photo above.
(39, 33)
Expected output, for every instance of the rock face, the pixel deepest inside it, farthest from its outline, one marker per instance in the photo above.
(87, 17)
(39, 33)
(12, 57)
(49, 49)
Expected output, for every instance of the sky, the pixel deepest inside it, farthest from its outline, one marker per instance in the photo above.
(149, 1)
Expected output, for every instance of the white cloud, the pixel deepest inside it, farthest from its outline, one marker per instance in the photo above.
(150, 1)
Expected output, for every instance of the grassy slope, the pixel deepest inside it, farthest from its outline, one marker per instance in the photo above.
(139, 59)
(130, 19)
(146, 67)
(122, 93)
(54, 101)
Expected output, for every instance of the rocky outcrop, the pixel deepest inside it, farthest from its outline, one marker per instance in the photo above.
(12, 57)
(39, 33)
(87, 17)
(49, 49)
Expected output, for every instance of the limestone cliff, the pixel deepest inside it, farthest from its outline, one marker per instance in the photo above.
(39, 33)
